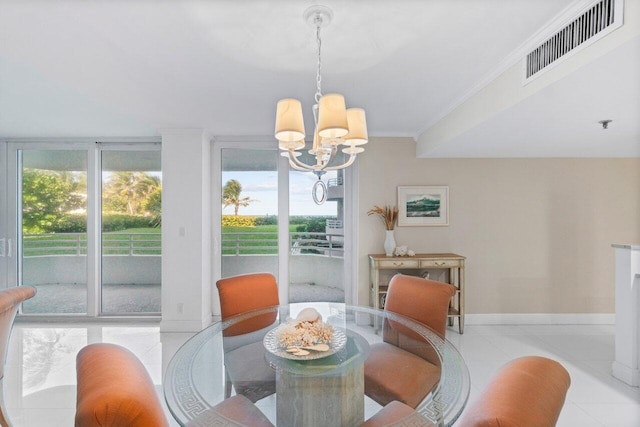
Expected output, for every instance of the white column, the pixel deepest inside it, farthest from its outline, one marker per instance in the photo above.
(186, 230)
(626, 366)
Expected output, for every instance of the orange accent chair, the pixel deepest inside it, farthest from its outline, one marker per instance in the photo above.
(527, 392)
(405, 367)
(115, 390)
(10, 300)
(246, 367)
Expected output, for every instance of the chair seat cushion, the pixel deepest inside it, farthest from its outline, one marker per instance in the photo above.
(234, 411)
(249, 372)
(391, 373)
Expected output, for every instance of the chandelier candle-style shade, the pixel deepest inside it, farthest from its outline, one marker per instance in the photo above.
(289, 121)
(332, 117)
(334, 124)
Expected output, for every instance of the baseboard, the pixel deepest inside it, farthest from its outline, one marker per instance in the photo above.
(624, 373)
(540, 319)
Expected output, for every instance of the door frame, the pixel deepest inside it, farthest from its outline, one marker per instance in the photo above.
(12, 190)
(350, 264)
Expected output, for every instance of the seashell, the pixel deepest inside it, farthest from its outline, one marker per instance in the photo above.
(317, 347)
(309, 315)
(400, 250)
(410, 252)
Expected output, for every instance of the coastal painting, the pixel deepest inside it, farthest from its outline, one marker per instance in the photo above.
(423, 205)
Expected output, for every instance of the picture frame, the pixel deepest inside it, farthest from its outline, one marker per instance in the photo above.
(423, 206)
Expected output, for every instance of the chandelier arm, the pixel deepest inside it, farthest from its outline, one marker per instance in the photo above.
(296, 167)
(349, 162)
(303, 166)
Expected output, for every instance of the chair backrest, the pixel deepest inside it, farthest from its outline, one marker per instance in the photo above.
(10, 300)
(527, 392)
(115, 389)
(425, 301)
(239, 294)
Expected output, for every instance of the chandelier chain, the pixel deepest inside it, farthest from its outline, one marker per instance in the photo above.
(318, 22)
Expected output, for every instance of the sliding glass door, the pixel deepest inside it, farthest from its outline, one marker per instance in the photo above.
(83, 221)
(131, 188)
(52, 224)
(316, 257)
(249, 221)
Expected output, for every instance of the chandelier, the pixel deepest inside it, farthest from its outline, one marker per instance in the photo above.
(334, 124)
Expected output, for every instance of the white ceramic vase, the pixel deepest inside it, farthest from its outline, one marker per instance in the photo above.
(389, 243)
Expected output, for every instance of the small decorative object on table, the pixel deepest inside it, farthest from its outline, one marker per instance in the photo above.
(388, 215)
(400, 251)
(304, 338)
(403, 251)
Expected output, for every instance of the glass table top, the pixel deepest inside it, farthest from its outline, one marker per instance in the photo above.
(196, 376)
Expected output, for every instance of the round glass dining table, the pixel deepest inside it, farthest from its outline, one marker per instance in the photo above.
(322, 388)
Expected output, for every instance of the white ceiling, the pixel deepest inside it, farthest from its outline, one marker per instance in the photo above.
(130, 68)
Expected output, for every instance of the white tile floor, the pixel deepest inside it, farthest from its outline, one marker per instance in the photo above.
(39, 385)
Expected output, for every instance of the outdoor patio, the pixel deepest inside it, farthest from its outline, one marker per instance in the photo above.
(141, 298)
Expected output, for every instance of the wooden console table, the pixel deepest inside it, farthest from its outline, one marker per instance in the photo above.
(418, 265)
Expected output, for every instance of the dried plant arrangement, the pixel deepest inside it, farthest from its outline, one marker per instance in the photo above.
(388, 215)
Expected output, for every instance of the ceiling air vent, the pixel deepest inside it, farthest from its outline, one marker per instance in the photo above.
(596, 22)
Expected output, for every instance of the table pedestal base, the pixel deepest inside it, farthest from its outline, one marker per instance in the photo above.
(331, 400)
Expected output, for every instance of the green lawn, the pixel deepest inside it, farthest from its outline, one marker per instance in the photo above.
(261, 239)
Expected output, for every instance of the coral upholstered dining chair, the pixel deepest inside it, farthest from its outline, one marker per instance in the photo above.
(245, 364)
(10, 300)
(527, 392)
(405, 367)
(115, 390)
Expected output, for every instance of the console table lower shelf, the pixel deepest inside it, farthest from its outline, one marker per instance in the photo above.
(382, 268)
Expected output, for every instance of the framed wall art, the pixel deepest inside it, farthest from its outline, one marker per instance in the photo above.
(423, 205)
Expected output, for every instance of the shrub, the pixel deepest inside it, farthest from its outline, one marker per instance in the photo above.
(77, 223)
(266, 220)
(313, 225)
(118, 222)
(238, 221)
(70, 224)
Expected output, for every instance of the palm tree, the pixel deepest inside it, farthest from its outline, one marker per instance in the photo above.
(231, 196)
(130, 189)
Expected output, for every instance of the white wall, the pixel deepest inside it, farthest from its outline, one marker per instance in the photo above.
(186, 230)
(537, 233)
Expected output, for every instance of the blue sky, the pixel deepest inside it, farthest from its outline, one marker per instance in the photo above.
(262, 187)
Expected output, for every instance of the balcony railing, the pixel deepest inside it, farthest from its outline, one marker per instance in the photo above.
(140, 244)
(266, 243)
(74, 244)
(316, 243)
